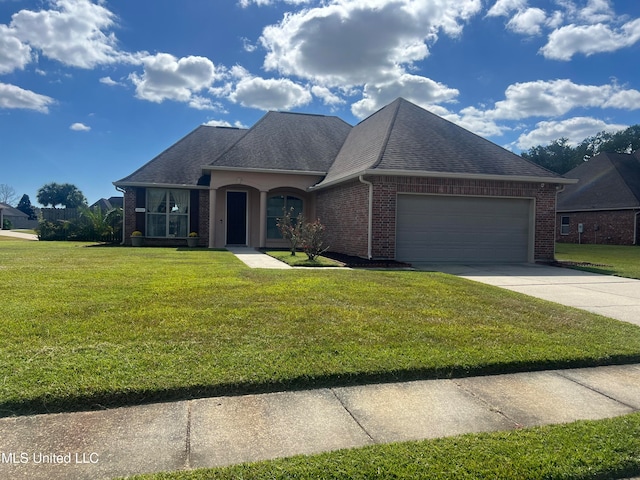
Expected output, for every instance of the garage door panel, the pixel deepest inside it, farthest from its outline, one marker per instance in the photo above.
(462, 229)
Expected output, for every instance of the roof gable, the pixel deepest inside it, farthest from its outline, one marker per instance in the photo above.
(181, 163)
(403, 137)
(606, 181)
(287, 142)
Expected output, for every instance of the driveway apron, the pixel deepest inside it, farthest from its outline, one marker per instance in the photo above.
(607, 295)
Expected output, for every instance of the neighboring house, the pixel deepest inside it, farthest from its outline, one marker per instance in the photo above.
(107, 204)
(17, 218)
(403, 184)
(604, 206)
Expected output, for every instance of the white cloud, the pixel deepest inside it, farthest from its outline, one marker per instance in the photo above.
(574, 129)
(12, 96)
(623, 99)
(555, 20)
(597, 11)
(247, 45)
(503, 8)
(545, 99)
(419, 90)
(589, 39)
(270, 94)
(528, 22)
(110, 82)
(555, 98)
(352, 42)
(473, 120)
(80, 127)
(203, 103)
(262, 3)
(326, 95)
(166, 77)
(13, 53)
(225, 123)
(74, 32)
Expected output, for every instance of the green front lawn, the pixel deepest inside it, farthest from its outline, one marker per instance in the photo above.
(587, 449)
(621, 260)
(88, 327)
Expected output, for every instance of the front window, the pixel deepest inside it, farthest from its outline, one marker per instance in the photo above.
(276, 207)
(564, 225)
(167, 213)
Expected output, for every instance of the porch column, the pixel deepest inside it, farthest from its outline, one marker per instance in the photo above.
(263, 219)
(213, 193)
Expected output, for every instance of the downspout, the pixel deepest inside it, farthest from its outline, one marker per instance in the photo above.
(124, 209)
(555, 221)
(370, 219)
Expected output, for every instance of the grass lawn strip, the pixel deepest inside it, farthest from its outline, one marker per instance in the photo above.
(620, 260)
(92, 327)
(586, 449)
(300, 259)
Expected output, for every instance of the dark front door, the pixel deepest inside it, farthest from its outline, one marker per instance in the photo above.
(236, 218)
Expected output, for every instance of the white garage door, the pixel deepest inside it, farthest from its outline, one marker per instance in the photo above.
(462, 229)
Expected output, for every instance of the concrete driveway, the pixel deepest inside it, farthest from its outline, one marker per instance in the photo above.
(614, 297)
(24, 236)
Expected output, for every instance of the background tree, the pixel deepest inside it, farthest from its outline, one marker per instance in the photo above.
(64, 194)
(24, 205)
(560, 157)
(625, 141)
(8, 195)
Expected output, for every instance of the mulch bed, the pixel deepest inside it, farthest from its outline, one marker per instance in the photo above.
(562, 263)
(358, 262)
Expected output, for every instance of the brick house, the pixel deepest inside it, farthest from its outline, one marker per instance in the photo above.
(403, 184)
(604, 206)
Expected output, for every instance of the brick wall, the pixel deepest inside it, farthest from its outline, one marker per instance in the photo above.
(203, 219)
(344, 209)
(129, 213)
(137, 197)
(603, 227)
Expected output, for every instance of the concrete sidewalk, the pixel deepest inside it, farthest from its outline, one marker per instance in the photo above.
(227, 430)
(255, 259)
(607, 295)
(24, 236)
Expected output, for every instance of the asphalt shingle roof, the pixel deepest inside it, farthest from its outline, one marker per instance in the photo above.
(288, 141)
(606, 181)
(9, 211)
(400, 137)
(405, 137)
(181, 163)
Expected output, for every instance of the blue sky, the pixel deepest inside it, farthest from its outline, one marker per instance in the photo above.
(92, 90)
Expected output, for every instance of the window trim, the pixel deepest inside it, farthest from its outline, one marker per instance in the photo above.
(167, 213)
(565, 228)
(286, 195)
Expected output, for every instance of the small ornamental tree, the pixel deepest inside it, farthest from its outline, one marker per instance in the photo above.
(312, 239)
(290, 228)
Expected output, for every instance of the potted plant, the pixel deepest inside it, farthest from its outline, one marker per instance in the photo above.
(136, 238)
(192, 240)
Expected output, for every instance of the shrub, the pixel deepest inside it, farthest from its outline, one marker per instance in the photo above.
(6, 224)
(290, 229)
(48, 230)
(89, 225)
(312, 239)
